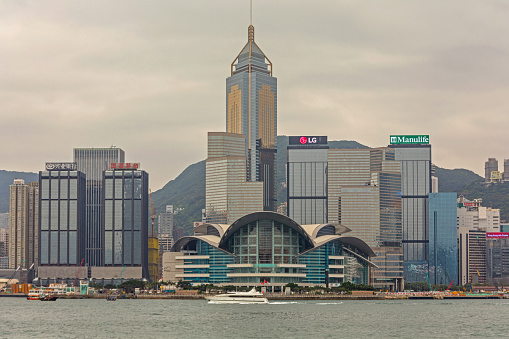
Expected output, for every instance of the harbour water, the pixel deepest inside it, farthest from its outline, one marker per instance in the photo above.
(93, 318)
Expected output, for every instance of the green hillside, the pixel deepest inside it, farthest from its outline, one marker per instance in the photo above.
(6, 179)
(454, 180)
(186, 191)
(492, 195)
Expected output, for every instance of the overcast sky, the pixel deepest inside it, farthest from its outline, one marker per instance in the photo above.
(149, 76)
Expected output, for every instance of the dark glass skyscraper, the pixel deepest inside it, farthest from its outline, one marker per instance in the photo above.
(443, 244)
(92, 162)
(307, 179)
(415, 186)
(126, 219)
(251, 109)
(62, 218)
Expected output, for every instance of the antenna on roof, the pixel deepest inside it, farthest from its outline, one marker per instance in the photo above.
(251, 12)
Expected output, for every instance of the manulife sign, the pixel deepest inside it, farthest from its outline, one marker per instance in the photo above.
(409, 139)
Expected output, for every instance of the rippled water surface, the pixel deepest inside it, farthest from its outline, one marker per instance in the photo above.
(21, 318)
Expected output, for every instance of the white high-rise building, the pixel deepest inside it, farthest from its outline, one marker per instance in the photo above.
(473, 216)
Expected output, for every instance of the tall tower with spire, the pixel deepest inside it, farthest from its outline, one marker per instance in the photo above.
(251, 109)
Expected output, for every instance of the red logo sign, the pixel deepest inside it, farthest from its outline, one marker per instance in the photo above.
(497, 235)
(303, 140)
(129, 165)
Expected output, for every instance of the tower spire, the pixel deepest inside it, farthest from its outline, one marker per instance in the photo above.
(250, 12)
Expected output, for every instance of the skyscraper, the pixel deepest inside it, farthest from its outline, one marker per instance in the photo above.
(92, 162)
(363, 195)
(443, 244)
(416, 184)
(126, 221)
(228, 196)
(307, 179)
(251, 109)
(62, 222)
(23, 223)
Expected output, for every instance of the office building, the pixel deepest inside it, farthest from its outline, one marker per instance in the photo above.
(471, 256)
(23, 224)
(165, 243)
(228, 195)
(443, 245)
(62, 223)
(93, 162)
(267, 247)
(306, 174)
(414, 154)
(476, 217)
(364, 195)
(251, 110)
(125, 223)
(165, 222)
(490, 166)
(497, 257)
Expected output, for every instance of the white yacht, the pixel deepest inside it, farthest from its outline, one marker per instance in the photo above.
(251, 297)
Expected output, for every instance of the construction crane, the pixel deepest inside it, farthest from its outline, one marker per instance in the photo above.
(152, 212)
(78, 274)
(12, 276)
(120, 276)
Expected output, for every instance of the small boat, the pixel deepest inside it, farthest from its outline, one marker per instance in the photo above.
(47, 297)
(111, 298)
(251, 297)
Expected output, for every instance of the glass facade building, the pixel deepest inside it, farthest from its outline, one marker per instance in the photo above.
(269, 247)
(62, 218)
(443, 245)
(125, 220)
(307, 183)
(251, 110)
(415, 186)
(364, 195)
(93, 162)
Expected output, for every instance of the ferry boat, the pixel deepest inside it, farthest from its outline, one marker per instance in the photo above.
(36, 293)
(251, 297)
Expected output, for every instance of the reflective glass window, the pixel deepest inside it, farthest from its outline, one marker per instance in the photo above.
(54, 248)
(137, 248)
(108, 248)
(44, 248)
(108, 189)
(44, 189)
(63, 215)
(127, 214)
(128, 188)
(118, 214)
(63, 248)
(108, 215)
(73, 248)
(73, 189)
(137, 188)
(73, 215)
(54, 215)
(118, 188)
(64, 188)
(127, 248)
(44, 215)
(54, 188)
(118, 248)
(137, 215)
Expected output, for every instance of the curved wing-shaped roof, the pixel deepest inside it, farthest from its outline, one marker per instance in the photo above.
(263, 216)
(360, 244)
(203, 228)
(182, 242)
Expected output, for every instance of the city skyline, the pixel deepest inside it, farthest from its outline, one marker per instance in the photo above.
(81, 75)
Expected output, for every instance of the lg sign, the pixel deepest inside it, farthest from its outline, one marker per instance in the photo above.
(308, 140)
(313, 140)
